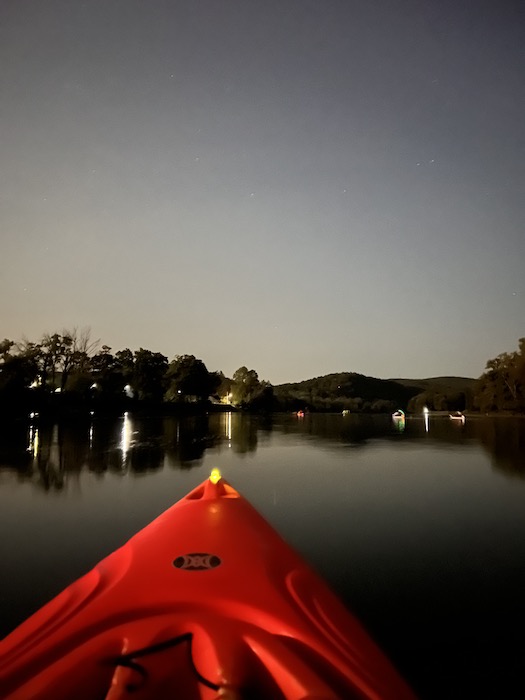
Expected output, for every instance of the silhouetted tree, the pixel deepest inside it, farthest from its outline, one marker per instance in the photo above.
(248, 392)
(188, 377)
(502, 385)
(125, 366)
(17, 370)
(245, 385)
(149, 374)
(76, 348)
(224, 387)
(5, 347)
(105, 374)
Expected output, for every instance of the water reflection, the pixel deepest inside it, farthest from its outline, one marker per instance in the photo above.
(51, 457)
(504, 440)
(185, 440)
(32, 446)
(228, 427)
(392, 519)
(427, 419)
(244, 435)
(49, 454)
(125, 437)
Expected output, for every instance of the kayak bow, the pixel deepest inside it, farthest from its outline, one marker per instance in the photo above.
(205, 602)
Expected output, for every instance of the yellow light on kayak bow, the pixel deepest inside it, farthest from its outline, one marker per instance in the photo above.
(215, 476)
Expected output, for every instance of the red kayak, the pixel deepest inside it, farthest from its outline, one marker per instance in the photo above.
(206, 602)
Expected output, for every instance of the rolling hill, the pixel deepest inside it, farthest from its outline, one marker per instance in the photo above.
(360, 393)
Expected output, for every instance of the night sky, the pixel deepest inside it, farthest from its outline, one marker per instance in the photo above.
(299, 186)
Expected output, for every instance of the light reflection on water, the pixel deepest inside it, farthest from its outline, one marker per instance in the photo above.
(422, 532)
(126, 437)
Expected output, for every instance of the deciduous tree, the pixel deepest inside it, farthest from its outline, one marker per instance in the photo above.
(502, 385)
(188, 377)
(149, 374)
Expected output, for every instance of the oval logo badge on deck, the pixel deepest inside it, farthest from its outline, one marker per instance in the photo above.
(197, 561)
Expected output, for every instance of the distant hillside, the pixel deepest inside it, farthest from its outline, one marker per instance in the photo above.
(345, 390)
(359, 393)
(450, 383)
(441, 393)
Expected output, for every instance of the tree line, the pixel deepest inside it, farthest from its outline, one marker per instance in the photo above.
(70, 368)
(501, 387)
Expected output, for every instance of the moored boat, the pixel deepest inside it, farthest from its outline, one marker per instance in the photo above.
(398, 419)
(458, 416)
(206, 602)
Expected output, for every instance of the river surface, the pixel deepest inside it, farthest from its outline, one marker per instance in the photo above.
(420, 531)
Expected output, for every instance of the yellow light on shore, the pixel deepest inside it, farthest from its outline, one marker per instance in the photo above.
(215, 476)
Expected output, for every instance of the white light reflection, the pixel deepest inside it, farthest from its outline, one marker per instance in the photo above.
(425, 414)
(125, 436)
(226, 421)
(91, 413)
(33, 441)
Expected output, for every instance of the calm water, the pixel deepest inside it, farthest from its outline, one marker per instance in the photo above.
(422, 533)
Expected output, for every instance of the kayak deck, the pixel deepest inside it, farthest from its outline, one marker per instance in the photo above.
(207, 601)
